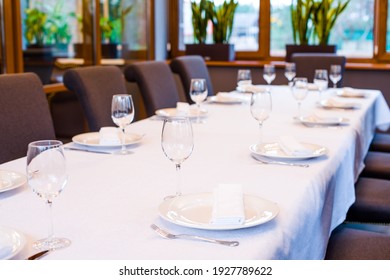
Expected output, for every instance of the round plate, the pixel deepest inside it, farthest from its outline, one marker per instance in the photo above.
(11, 242)
(172, 112)
(350, 92)
(273, 150)
(11, 180)
(331, 104)
(325, 121)
(225, 99)
(195, 211)
(92, 139)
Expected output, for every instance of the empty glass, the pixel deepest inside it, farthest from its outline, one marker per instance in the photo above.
(261, 106)
(335, 74)
(299, 91)
(321, 80)
(122, 114)
(244, 77)
(290, 72)
(47, 177)
(177, 143)
(198, 93)
(269, 74)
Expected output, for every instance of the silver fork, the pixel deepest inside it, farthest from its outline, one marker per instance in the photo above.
(280, 162)
(169, 235)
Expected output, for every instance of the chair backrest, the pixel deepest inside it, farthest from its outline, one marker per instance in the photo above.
(24, 114)
(95, 86)
(191, 67)
(156, 83)
(307, 63)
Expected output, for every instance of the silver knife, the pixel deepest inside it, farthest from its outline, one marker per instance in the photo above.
(38, 255)
(86, 150)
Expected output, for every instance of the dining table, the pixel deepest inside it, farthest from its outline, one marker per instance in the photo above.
(110, 201)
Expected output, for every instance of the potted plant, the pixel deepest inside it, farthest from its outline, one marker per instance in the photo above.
(222, 18)
(312, 22)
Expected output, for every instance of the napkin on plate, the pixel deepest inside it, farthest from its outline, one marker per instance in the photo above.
(351, 92)
(109, 136)
(250, 88)
(228, 205)
(227, 97)
(182, 108)
(290, 146)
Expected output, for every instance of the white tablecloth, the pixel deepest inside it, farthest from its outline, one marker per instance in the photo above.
(110, 201)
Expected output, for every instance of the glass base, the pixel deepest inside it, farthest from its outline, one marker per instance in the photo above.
(123, 152)
(51, 243)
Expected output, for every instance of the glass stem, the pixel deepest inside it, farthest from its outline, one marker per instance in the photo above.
(198, 113)
(260, 132)
(50, 219)
(299, 109)
(178, 183)
(123, 140)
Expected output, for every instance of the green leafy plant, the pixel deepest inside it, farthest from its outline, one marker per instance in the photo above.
(200, 19)
(45, 24)
(301, 14)
(325, 14)
(222, 18)
(112, 26)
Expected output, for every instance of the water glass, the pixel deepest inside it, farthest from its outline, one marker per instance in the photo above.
(198, 93)
(290, 72)
(321, 80)
(299, 91)
(261, 106)
(335, 74)
(244, 77)
(269, 73)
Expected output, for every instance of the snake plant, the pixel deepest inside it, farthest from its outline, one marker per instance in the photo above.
(222, 18)
(200, 19)
(301, 13)
(325, 14)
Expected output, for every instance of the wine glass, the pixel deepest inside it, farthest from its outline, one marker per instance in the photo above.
(244, 77)
(122, 114)
(177, 143)
(321, 80)
(335, 74)
(47, 177)
(290, 72)
(269, 74)
(299, 91)
(198, 93)
(261, 106)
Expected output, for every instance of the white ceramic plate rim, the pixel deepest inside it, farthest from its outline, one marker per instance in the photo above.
(171, 112)
(351, 94)
(347, 105)
(17, 180)
(168, 211)
(314, 147)
(227, 100)
(17, 243)
(131, 138)
(322, 120)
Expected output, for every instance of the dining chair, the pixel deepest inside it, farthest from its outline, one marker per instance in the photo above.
(156, 83)
(377, 165)
(347, 243)
(25, 114)
(307, 63)
(372, 203)
(381, 142)
(191, 67)
(95, 86)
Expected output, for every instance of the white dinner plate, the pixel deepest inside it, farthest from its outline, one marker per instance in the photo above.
(332, 104)
(225, 99)
(172, 112)
(11, 242)
(351, 93)
(274, 151)
(250, 88)
(195, 211)
(92, 139)
(11, 180)
(324, 121)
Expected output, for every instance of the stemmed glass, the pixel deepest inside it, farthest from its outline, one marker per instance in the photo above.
(321, 80)
(177, 143)
(122, 114)
(335, 74)
(198, 93)
(269, 74)
(299, 91)
(290, 72)
(47, 177)
(261, 106)
(244, 77)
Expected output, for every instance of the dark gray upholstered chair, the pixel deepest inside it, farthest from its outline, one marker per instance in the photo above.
(95, 86)
(307, 63)
(156, 83)
(24, 114)
(381, 142)
(347, 243)
(377, 165)
(372, 204)
(191, 67)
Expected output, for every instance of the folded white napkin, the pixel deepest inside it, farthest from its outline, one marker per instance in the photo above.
(228, 206)
(182, 108)
(251, 88)
(227, 97)
(292, 147)
(109, 136)
(351, 92)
